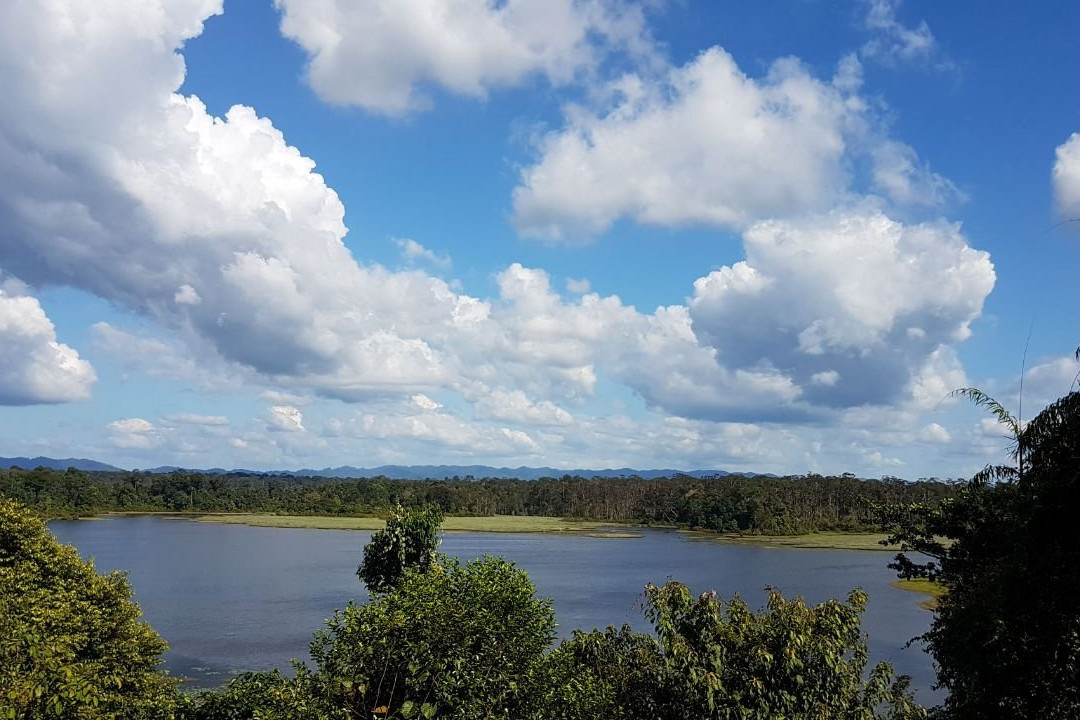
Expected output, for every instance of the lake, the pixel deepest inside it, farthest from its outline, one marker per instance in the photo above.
(231, 598)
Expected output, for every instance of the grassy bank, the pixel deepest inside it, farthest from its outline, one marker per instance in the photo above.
(921, 585)
(810, 541)
(527, 523)
(494, 523)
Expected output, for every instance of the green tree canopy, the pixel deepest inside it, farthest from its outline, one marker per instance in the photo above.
(1006, 635)
(457, 641)
(71, 643)
(409, 540)
(712, 660)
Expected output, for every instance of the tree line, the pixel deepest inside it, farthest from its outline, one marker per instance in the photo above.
(731, 503)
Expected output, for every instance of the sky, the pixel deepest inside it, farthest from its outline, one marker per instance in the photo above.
(768, 237)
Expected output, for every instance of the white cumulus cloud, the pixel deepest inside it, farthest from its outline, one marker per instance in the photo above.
(424, 402)
(216, 227)
(34, 366)
(850, 296)
(285, 418)
(706, 145)
(387, 55)
(134, 433)
(935, 433)
(1066, 177)
(894, 41)
(515, 406)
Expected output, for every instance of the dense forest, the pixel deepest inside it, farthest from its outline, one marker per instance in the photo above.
(732, 503)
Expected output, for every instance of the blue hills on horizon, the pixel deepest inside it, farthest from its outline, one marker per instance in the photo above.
(396, 472)
(57, 464)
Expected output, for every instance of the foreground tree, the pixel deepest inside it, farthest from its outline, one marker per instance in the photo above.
(457, 641)
(724, 661)
(71, 643)
(1006, 635)
(266, 696)
(409, 540)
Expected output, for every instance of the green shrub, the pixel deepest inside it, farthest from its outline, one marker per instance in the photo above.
(409, 540)
(71, 643)
(458, 641)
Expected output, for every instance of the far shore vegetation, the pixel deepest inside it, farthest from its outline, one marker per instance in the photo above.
(796, 511)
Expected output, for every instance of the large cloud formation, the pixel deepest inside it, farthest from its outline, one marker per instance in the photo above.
(847, 305)
(116, 185)
(384, 55)
(706, 144)
(220, 231)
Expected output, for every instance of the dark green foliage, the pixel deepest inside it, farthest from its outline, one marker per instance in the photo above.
(408, 541)
(264, 696)
(611, 674)
(734, 503)
(1006, 636)
(791, 661)
(711, 660)
(458, 641)
(71, 644)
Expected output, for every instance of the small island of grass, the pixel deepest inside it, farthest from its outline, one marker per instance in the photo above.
(808, 541)
(922, 585)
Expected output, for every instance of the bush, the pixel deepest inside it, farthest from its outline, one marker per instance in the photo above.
(611, 674)
(724, 662)
(456, 642)
(264, 696)
(409, 540)
(71, 644)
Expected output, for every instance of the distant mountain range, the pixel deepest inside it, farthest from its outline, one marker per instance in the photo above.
(397, 472)
(58, 464)
(439, 472)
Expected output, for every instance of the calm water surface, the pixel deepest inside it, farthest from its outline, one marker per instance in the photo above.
(231, 598)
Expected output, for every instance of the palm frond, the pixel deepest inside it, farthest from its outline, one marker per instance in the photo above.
(1049, 424)
(993, 473)
(981, 399)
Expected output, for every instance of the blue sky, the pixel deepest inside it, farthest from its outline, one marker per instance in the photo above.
(581, 233)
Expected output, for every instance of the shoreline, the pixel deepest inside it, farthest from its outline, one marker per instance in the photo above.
(868, 542)
(478, 523)
(865, 542)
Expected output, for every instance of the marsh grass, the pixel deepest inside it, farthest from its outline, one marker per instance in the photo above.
(922, 585)
(810, 541)
(493, 523)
